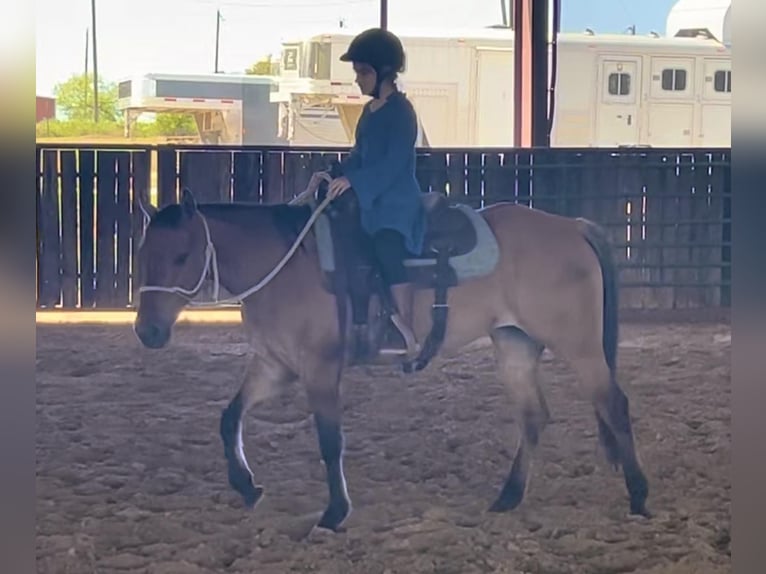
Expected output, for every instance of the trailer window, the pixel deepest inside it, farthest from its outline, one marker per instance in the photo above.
(722, 81)
(124, 89)
(619, 84)
(673, 80)
(316, 63)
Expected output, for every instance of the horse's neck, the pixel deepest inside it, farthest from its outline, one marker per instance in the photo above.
(242, 252)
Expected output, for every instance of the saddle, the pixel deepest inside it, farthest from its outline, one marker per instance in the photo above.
(458, 245)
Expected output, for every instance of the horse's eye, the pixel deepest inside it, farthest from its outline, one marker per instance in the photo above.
(181, 259)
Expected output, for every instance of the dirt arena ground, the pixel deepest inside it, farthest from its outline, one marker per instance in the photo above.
(131, 476)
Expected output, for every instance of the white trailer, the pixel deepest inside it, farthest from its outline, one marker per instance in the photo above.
(611, 89)
(642, 91)
(228, 108)
(321, 103)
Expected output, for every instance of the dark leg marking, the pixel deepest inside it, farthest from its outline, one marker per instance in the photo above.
(240, 476)
(514, 488)
(517, 356)
(331, 446)
(608, 443)
(617, 416)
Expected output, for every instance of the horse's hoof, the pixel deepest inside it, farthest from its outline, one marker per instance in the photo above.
(242, 482)
(640, 510)
(510, 497)
(250, 493)
(505, 504)
(327, 527)
(334, 517)
(252, 496)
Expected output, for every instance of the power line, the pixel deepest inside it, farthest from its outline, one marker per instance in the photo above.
(282, 4)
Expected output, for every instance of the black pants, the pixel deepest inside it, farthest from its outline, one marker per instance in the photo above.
(391, 251)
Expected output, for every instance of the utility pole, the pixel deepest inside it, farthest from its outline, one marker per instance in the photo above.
(217, 36)
(87, 53)
(95, 62)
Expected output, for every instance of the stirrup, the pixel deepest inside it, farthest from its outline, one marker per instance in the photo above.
(412, 348)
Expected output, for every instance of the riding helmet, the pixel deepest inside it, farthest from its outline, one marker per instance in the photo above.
(378, 48)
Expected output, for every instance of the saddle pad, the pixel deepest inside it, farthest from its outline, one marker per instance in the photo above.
(323, 235)
(478, 262)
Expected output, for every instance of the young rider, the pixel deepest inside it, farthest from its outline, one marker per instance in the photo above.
(381, 168)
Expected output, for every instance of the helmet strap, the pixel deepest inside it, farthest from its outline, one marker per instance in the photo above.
(380, 77)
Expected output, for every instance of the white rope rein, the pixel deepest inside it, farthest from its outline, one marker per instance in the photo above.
(211, 263)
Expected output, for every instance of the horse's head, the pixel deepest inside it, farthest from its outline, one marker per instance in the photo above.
(173, 260)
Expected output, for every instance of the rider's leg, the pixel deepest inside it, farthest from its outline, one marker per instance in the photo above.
(391, 251)
(402, 318)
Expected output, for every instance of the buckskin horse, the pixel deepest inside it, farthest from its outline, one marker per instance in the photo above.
(527, 279)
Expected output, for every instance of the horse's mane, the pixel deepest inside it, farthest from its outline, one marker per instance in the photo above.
(288, 220)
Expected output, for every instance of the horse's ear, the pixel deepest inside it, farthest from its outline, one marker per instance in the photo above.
(147, 209)
(188, 202)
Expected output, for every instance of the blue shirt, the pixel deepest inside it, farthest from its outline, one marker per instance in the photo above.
(381, 169)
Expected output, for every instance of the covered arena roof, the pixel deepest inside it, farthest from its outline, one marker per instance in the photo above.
(694, 17)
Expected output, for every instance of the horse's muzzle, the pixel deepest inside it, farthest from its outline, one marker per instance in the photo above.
(152, 335)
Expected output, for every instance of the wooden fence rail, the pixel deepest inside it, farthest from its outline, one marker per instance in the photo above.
(668, 211)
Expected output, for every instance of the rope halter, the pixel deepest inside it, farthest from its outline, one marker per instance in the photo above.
(211, 263)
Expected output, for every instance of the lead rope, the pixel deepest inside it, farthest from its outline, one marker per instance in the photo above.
(211, 262)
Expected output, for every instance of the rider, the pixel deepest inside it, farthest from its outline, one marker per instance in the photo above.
(381, 168)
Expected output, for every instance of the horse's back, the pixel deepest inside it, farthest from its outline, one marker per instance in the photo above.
(531, 231)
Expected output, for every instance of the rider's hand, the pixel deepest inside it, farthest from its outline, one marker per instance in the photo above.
(338, 186)
(316, 179)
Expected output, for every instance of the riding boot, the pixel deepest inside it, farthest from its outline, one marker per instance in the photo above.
(406, 343)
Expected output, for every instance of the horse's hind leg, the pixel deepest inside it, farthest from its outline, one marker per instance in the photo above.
(615, 428)
(262, 381)
(517, 357)
(323, 393)
(608, 442)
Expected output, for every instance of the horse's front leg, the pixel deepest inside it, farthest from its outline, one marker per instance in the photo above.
(323, 392)
(262, 380)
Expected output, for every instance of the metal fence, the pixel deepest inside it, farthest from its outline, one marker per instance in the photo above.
(667, 210)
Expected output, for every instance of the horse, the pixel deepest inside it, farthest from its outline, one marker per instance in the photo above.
(526, 279)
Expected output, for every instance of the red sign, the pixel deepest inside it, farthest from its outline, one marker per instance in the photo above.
(46, 108)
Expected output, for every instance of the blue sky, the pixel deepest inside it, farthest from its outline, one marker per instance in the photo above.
(136, 36)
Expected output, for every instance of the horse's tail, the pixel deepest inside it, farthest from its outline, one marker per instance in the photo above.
(599, 242)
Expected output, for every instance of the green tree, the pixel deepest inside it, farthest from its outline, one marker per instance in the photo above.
(75, 98)
(262, 67)
(175, 124)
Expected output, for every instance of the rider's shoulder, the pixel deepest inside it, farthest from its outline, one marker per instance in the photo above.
(403, 105)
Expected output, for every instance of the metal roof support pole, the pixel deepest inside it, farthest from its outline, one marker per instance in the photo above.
(540, 43)
(522, 73)
(531, 38)
(384, 14)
